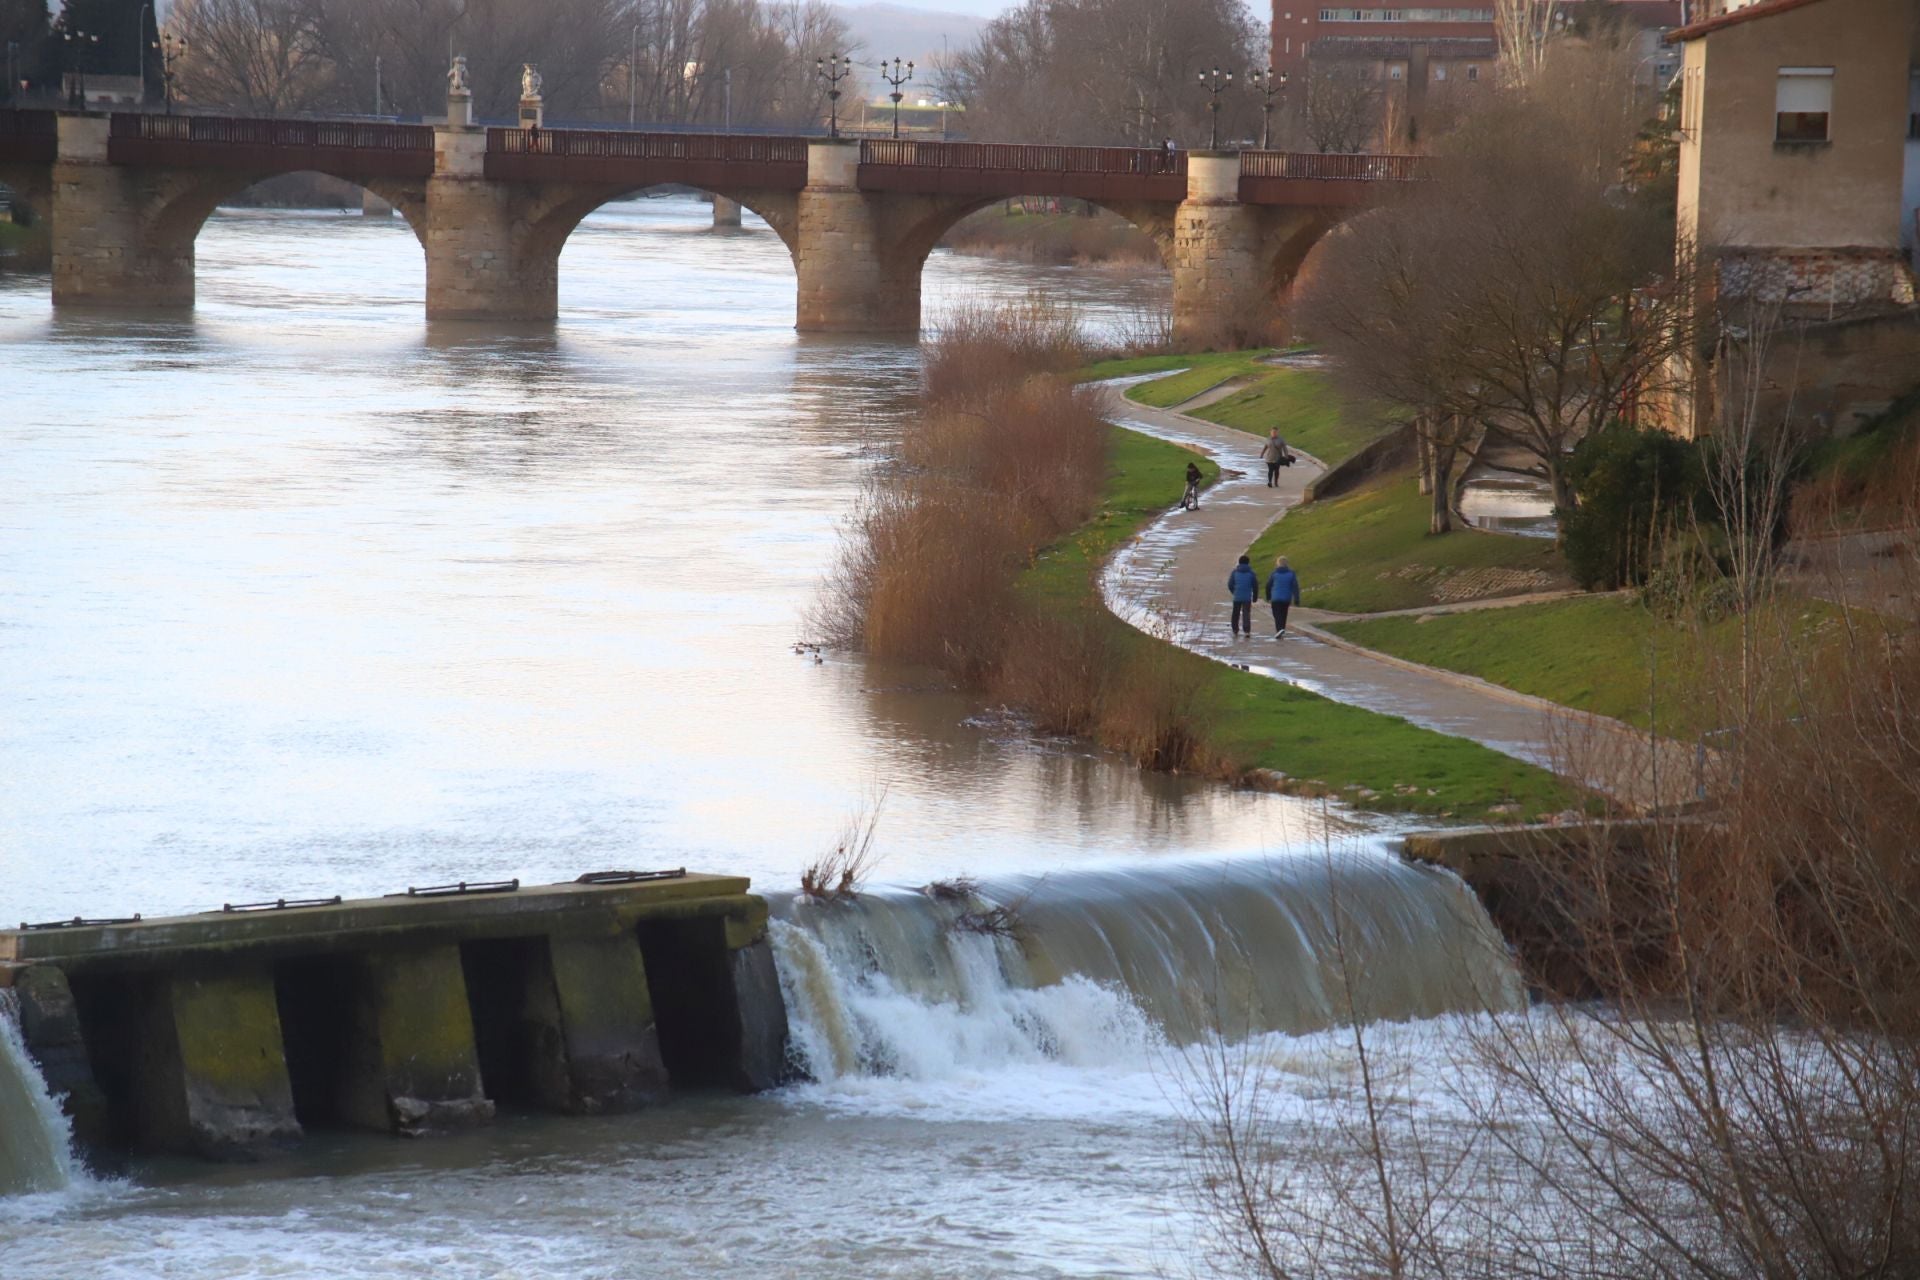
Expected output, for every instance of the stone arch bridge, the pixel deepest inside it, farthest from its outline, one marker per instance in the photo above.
(128, 193)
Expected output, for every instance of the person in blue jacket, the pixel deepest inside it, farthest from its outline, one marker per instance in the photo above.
(1283, 592)
(1243, 584)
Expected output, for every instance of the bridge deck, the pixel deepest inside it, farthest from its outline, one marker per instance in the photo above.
(738, 161)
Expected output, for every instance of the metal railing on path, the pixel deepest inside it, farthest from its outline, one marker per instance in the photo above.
(242, 131)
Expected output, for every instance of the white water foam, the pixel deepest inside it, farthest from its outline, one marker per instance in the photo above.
(36, 1140)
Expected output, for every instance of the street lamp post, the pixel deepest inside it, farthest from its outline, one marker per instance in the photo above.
(171, 46)
(1213, 82)
(633, 62)
(78, 42)
(140, 49)
(896, 79)
(1271, 84)
(832, 69)
(13, 51)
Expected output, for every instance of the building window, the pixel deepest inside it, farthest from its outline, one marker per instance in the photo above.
(1803, 104)
(1473, 72)
(1396, 72)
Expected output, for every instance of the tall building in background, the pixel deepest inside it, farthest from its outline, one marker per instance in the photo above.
(1353, 27)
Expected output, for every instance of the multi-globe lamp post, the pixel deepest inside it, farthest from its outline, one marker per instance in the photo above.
(1214, 82)
(172, 46)
(832, 69)
(896, 78)
(78, 44)
(1271, 84)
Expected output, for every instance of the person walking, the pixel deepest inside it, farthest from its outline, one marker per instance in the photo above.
(1243, 584)
(1190, 500)
(1274, 454)
(1283, 592)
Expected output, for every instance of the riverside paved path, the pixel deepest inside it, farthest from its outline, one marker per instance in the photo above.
(1171, 580)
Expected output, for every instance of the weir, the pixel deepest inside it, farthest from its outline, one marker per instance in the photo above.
(229, 1033)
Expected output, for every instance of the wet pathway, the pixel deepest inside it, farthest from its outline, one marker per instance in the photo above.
(1171, 582)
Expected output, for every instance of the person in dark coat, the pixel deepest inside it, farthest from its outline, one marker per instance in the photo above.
(1190, 500)
(1283, 592)
(1243, 584)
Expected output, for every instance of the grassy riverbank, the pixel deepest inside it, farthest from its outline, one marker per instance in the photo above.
(1301, 402)
(1610, 655)
(1369, 551)
(1253, 722)
(980, 557)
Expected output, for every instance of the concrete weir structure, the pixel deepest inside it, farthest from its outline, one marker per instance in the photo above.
(227, 1034)
(493, 207)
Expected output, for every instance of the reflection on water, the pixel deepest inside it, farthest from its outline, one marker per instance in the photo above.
(1518, 505)
(301, 596)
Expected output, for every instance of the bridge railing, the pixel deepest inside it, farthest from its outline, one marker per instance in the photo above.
(1335, 167)
(244, 132)
(607, 144)
(1022, 157)
(16, 123)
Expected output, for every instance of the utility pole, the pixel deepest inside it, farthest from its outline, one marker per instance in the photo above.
(633, 72)
(379, 95)
(140, 49)
(726, 80)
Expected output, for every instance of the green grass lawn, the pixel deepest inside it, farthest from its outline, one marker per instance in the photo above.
(1219, 365)
(1596, 653)
(1206, 373)
(1370, 551)
(1264, 723)
(1304, 405)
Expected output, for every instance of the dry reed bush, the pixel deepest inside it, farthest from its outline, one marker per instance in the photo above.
(836, 875)
(1057, 667)
(1037, 446)
(1845, 499)
(1748, 1101)
(938, 562)
(979, 345)
(1158, 711)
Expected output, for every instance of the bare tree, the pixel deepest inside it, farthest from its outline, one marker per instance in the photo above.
(1524, 29)
(1106, 71)
(259, 56)
(1340, 106)
(1518, 293)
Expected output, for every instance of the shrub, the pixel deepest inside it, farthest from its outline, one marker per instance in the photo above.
(1636, 487)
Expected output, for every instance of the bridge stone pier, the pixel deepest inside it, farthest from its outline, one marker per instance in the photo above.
(127, 195)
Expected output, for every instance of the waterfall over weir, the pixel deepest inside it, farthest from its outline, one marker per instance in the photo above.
(35, 1140)
(1109, 962)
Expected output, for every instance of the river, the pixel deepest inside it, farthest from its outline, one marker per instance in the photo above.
(302, 596)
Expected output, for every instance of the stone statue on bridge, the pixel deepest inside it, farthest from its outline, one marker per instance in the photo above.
(530, 82)
(457, 76)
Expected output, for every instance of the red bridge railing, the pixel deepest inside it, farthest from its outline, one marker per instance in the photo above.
(1308, 164)
(608, 144)
(244, 132)
(1022, 157)
(15, 123)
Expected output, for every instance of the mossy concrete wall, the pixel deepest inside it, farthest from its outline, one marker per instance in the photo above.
(225, 1034)
(413, 1067)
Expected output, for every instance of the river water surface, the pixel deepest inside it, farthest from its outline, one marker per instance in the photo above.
(302, 596)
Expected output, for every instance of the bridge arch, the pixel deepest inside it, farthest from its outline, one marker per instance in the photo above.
(551, 220)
